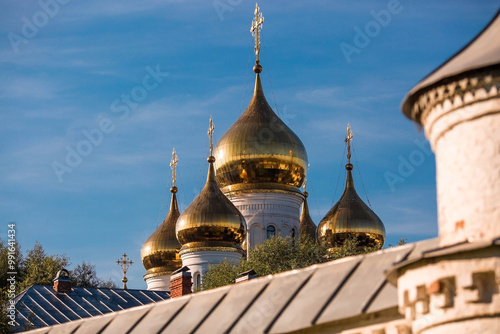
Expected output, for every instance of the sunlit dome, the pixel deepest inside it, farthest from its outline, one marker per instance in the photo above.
(211, 221)
(259, 151)
(160, 252)
(351, 217)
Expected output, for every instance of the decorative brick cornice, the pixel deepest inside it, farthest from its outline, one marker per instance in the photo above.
(454, 93)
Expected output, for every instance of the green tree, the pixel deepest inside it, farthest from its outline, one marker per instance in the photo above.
(222, 274)
(350, 247)
(85, 275)
(401, 242)
(280, 254)
(40, 268)
(275, 255)
(37, 268)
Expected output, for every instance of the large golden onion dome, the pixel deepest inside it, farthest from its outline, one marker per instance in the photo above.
(211, 221)
(351, 217)
(259, 151)
(307, 226)
(160, 252)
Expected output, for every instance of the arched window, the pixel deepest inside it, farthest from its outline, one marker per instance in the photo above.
(197, 282)
(271, 231)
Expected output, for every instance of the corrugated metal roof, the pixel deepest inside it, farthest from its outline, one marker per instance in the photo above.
(40, 305)
(322, 294)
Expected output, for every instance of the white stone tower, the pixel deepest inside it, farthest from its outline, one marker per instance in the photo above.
(454, 289)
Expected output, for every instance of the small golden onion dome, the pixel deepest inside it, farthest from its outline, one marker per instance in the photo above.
(211, 221)
(160, 252)
(351, 217)
(259, 151)
(307, 226)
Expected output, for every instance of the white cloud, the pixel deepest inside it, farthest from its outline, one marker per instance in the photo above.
(28, 88)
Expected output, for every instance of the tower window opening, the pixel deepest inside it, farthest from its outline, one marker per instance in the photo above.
(197, 281)
(271, 231)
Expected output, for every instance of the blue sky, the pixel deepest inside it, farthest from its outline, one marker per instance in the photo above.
(63, 76)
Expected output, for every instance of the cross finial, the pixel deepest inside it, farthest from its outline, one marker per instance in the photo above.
(348, 139)
(256, 28)
(210, 135)
(124, 262)
(173, 164)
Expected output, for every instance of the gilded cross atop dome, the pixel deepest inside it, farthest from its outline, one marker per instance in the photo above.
(255, 30)
(210, 132)
(348, 140)
(173, 164)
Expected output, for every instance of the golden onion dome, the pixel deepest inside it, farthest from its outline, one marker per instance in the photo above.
(307, 226)
(211, 221)
(259, 151)
(351, 217)
(160, 252)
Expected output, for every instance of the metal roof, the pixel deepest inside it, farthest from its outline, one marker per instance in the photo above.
(323, 294)
(41, 306)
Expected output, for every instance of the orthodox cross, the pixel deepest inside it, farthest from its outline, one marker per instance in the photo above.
(256, 28)
(210, 135)
(348, 139)
(173, 163)
(124, 262)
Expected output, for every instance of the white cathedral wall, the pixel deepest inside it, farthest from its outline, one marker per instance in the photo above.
(159, 283)
(264, 209)
(198, 262)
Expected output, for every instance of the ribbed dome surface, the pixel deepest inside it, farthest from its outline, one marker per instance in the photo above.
(259, 151)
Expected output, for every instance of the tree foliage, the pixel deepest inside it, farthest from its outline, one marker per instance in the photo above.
(275, 255)
(85, 275)
(37, 267)
(280, 254)
(40, 268)
(401, 242)
(350, 247)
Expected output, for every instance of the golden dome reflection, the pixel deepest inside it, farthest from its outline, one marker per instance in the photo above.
(211, 221)
(160, 252)
(259, 151)
(351, 217)
(307, 226)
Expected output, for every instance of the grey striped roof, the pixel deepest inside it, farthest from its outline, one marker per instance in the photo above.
(319, 295)
(40, 305)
